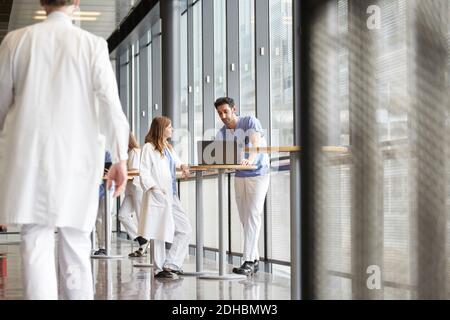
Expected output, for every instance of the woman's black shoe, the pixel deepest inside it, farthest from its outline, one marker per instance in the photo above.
(100, 252)
(141, 241)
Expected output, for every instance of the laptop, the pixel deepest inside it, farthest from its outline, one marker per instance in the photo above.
(217, 152)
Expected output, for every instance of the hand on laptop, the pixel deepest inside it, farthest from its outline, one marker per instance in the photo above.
(245, 162)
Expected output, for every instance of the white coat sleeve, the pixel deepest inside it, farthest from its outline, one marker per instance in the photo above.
(6, 79)
(134, 160)
(114, 125)
(145, 169)
(134, 163)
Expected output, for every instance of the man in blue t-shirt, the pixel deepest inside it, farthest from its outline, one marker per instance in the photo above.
(250, 186)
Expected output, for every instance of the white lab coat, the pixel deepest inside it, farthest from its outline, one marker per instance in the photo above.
(134, 186)
(56, 86)
(131, 206)
(156, 219)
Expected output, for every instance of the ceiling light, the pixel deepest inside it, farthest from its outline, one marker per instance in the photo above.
(77, 13)
(74, 18)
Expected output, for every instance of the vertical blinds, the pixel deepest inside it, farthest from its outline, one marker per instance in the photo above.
(379, 83)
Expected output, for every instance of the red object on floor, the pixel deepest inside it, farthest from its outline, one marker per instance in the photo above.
(3, 267)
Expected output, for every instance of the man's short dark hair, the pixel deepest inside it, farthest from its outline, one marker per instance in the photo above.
(225, 100)
(56, 3)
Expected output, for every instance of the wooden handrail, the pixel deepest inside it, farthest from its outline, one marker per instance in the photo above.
(331, 149)
(220, 166)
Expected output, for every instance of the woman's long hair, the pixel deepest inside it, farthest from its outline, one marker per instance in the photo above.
(132, 142)
(155, 135)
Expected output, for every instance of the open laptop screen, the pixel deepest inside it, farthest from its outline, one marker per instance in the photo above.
(217, 152)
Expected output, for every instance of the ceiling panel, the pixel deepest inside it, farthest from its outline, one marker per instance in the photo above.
(111, 13)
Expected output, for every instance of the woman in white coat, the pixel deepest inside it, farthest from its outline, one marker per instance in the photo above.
(131, 205)
(162, 217)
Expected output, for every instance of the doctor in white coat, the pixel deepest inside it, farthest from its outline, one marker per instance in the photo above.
(162, 217)
(131, 206)
(52, 147)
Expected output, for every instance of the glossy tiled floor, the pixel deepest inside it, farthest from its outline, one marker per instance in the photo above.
(120, 280)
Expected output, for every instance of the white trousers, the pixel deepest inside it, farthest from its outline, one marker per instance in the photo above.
(180, 245)
(129, 213)
(39, 274)
(250, 195)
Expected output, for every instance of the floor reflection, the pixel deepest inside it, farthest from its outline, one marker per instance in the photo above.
(120, 280)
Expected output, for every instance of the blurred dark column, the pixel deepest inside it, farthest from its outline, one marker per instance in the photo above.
(303, 235)
(367, 173)
(170, 18)
(431, 108)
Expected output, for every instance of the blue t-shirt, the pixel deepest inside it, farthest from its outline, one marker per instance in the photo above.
(245, 127)
(173, 171)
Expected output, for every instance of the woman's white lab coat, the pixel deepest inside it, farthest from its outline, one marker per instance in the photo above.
(130, 209)
(59, 104)
(133, 187)
(156, 219)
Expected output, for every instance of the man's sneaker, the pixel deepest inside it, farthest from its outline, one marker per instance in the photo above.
(100, 252)
(166, 275)
(247, 268)
(178, 272)
(256, 266)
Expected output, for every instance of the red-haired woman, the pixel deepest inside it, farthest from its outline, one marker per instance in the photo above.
(162, 217)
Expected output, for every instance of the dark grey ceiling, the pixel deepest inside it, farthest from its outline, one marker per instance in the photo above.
(5, 11)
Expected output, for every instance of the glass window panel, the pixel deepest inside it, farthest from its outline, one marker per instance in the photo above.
(237, 235)
(184, 5)
(281, 73)
(187, 198)
(220, 53)
(150, 83)
(123, 81)
(211, 212)
(278, 217)
(130, 90)
(136, 85)
(247, 56)
(183, 144)
(198, 76)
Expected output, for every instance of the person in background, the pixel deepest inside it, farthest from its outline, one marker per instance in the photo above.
(250, 186)
(162, 217)
(57, 88)
(131, 206)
